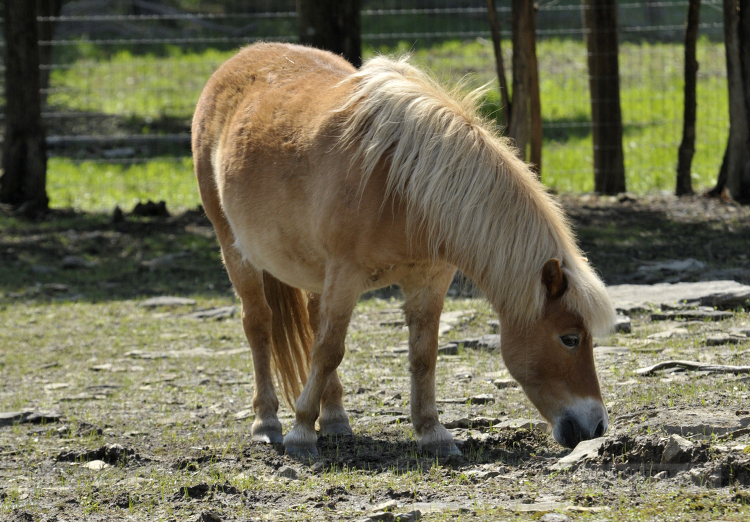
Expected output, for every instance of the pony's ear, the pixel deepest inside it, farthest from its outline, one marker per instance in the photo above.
(553, 278)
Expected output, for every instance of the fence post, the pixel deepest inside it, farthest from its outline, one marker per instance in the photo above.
(334, 25)
(23, 183)
(600, 24)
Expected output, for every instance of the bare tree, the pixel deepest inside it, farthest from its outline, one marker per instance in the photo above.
(600, 24)
(523, 114)
(684, 185)
(23, 183)
(334, 25)
(734, 176)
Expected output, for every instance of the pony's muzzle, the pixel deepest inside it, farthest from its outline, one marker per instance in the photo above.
(583, 421)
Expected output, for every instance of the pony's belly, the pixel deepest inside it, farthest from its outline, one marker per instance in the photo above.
(293, 262)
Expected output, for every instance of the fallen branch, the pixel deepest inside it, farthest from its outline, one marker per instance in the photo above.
(692, 365)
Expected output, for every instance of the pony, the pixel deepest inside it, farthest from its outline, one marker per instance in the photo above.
(323, 181)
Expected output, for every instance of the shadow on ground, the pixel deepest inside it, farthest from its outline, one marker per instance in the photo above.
(70, 255)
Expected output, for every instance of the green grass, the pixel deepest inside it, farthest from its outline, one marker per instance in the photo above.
(150, 87)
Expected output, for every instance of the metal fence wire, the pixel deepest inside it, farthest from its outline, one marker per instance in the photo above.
(123, 77)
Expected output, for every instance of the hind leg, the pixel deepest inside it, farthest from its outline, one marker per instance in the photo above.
(333, 419)
(336, 305)
(256, 321)
(425, 293)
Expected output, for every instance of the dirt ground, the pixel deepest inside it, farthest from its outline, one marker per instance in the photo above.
(118, 411)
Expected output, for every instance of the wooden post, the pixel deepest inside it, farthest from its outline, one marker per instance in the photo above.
(525, 118)
(684, 185)
(734, 176)
(600, 24)
(23, 183)
(333, 25)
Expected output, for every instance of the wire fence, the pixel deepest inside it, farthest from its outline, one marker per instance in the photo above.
(123, 77)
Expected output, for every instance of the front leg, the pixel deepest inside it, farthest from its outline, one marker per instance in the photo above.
(336, 305)
(425, 293)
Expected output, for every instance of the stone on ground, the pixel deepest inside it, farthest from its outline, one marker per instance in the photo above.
(677, 451)
(721, 294)
(585, 450)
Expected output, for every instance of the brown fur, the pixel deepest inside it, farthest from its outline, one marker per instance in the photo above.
(323, 179)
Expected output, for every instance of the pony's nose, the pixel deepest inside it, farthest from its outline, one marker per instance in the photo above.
(571, 430)
(599, 431)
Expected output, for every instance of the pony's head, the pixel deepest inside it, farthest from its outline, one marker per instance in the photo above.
(553, 360)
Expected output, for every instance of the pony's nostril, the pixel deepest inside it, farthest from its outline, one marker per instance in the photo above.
(599, 431)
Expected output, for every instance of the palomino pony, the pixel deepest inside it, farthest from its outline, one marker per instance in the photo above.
(324, 181)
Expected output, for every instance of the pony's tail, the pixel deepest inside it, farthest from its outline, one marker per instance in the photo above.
(291, 336)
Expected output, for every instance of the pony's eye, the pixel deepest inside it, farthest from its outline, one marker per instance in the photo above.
(570, 341)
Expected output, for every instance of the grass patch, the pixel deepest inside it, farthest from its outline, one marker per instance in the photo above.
(150, 87)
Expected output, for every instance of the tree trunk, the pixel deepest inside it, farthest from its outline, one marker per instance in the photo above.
(684, 185)
(535, 102)
(23, 183)
(499, 65)
(46, 9)
(600, 23)
(334, 25)
(525, 118)
(734, 176)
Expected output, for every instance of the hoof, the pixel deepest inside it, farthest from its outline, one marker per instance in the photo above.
(341, 429)
(300, 451)
(268, 437)
(441, 449)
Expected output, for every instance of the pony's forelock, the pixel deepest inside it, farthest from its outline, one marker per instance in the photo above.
(453, 172)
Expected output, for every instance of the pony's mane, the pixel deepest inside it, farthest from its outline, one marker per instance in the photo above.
(467, 190)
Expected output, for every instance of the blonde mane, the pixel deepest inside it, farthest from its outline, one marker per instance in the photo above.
(466, 188)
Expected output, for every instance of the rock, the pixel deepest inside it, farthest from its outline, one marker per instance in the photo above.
(381, 515)
(28, 417)
(223, 312)
(449, 320)
(448, 349)
(410, 516)
(623, 324)
(699, 422)
(478, 475)
(662, 475)
(389, 505)
(96, 465)
(677, 451)
(522, 424)
(539, 507)
(154, 302)
(585, 450)
(611, 350)
(555, 517)
(724, 338)
(701, 314)
(209, 516)
(675, 269)
(505, 383)
(244, 414)
(668, 334)
(287, 472)
(466, 422)
(73, 262)
(720, 294)
(484, 398)
(486, 342)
